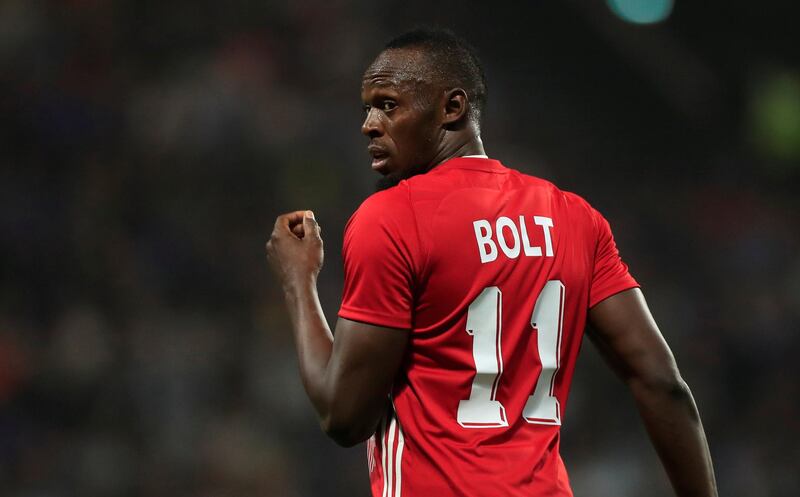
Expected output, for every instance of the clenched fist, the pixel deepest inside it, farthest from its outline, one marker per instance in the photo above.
(295, 249)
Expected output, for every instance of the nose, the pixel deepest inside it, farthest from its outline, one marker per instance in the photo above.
(371, 127)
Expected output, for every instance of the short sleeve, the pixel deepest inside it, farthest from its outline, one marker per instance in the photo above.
(610, 274)
(378, 251)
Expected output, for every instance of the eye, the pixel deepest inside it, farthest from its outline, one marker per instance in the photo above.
(366, 108)
(388, 105)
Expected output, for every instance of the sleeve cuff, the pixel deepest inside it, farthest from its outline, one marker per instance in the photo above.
(375, 318)
(611, 291)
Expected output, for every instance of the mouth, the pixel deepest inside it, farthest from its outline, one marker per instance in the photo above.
(380, 158)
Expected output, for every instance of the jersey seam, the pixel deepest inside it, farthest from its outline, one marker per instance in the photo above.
(613, 290)
(424, 252)
(593, 215)
(383, 319)
(480, 169)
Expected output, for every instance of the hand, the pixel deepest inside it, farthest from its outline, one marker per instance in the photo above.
(295, 249)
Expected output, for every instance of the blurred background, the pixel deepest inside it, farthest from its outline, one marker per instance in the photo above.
(147, 146)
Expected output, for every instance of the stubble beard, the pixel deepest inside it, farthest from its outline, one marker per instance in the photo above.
(394, 179)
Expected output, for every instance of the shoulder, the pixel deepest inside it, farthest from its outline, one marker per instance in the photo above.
(382, 230)
(581, 213)
(396, 196)
(578, 203)
(594, 221)
(383, 206)
(569, 200)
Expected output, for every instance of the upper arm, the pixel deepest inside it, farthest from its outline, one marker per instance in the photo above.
(627, 335)
(381, 254)
(362, 368)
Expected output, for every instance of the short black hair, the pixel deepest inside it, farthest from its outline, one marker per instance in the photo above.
(454, 61)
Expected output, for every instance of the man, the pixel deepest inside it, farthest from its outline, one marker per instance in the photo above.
(467, 289)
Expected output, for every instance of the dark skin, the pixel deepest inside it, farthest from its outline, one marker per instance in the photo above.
(413, 125)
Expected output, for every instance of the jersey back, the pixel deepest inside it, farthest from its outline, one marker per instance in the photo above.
(493, 272)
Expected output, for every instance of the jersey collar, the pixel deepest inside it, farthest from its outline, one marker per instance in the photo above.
(474, 162)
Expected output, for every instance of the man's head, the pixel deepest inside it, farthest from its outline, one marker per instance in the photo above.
(423, 95)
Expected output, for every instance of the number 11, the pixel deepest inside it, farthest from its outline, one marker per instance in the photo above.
(484, 324)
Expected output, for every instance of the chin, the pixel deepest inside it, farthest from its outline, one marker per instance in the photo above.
(393, 178)
(388, 180)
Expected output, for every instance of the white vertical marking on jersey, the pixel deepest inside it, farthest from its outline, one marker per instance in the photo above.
(384, 457)
(371, 453)
(398, 469)
(390, 451)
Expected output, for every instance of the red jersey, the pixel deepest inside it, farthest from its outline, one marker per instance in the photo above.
(493, 271)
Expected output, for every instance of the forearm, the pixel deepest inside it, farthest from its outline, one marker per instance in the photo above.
(313, 341)
(349, 396)
(346, 381)
(673, 423)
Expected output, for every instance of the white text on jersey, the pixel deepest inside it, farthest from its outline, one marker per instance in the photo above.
(519, 242)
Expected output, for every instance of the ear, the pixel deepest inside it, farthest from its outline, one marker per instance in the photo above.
(456, 105)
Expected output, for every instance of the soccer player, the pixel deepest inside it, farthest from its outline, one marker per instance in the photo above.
(468, 286)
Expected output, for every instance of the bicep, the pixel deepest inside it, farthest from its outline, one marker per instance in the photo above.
(361, 372)
(367, 355)
(626, 334)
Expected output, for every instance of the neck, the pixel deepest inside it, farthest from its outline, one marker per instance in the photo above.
(451, 147)
(471, 145)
